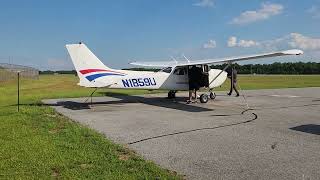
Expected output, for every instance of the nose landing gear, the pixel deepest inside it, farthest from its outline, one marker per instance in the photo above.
(204, 98)
(212, 95)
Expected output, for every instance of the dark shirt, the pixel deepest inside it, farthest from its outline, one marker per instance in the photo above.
(194, 77)
(193, 74)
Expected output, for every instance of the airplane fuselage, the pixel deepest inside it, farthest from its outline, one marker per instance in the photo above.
(126, 79)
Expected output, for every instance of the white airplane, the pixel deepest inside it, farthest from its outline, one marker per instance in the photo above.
(173, 76)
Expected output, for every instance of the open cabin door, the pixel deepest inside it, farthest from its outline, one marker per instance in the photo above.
(205, 75)
(199, 75)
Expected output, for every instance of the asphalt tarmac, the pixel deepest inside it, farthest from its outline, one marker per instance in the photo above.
(267, 134)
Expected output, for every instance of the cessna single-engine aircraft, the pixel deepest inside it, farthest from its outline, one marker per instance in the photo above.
(173, 76)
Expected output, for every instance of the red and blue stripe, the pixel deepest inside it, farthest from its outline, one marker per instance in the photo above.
(92, 74)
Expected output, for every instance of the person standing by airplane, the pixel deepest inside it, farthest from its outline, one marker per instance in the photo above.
(232, 75)
(193, 83)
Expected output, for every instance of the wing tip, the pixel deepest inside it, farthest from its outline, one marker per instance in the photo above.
(293, 52)
(133, 63)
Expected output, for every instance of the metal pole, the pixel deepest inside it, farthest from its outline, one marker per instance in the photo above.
(18, 91)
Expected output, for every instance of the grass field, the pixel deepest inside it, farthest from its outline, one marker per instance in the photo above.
(250, 82)
(38, 143)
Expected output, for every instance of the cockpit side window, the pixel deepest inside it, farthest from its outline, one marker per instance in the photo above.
(167, 70)
(180, 71)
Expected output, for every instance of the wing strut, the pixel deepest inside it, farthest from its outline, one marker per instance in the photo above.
(229, 63)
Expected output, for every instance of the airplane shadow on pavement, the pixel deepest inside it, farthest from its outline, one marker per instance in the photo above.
(308, 128)
(178, 103)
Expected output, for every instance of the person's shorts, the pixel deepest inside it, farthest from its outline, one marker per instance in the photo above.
(194, 86)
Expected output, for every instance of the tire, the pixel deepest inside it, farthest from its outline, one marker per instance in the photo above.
(212, 95)
(204, 98)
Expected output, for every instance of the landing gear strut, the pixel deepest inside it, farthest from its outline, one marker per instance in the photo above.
(172, 94)
(212, 95)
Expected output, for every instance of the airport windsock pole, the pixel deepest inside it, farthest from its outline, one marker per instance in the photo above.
(18, 90)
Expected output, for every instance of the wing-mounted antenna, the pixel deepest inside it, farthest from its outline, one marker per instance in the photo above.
(186, 58)
(174, 59)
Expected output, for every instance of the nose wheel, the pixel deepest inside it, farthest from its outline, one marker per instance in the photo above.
(204, 98)
(212, 95)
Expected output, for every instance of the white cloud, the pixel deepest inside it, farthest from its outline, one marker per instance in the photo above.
(265, 12)
(247, 43)
(314, 11)
(232, 42)
(293, 40)
(204, 3)
(304, 42)
(210, 44)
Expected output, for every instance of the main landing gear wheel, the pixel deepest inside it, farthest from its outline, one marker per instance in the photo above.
(204, 98)
(171, 94)
(212, 95)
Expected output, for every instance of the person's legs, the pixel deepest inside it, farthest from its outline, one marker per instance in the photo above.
(235, 88)
(231, 88)
(195, 92)
(190, 96)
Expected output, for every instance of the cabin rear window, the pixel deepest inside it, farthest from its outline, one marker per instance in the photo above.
(180, 71)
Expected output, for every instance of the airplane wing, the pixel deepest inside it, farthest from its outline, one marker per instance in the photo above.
(220, 60)
(155, 63)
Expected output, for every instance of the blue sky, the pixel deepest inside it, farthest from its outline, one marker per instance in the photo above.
(34, 32)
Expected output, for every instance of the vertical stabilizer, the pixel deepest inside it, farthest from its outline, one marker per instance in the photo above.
(83, 58)
(86, 64)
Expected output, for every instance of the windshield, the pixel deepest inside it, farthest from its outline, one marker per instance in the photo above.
(167, 70)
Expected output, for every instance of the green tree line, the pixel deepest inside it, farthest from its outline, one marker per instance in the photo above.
(274, 68)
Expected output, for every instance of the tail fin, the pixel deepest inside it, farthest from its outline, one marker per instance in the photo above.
(83, 58)
(85, 62)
